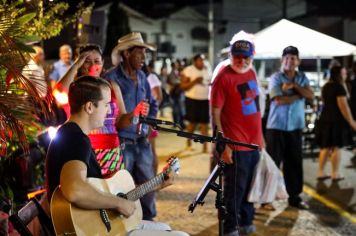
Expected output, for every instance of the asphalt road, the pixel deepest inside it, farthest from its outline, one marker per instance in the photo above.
(332, 204)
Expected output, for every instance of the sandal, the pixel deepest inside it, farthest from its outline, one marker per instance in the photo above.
(268, 207)
(339, 178)
(321, 178)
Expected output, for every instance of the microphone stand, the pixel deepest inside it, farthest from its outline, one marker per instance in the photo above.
(218, 171)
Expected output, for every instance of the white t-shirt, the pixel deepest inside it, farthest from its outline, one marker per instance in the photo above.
(153, 81)
(198, 91)
(36, 74)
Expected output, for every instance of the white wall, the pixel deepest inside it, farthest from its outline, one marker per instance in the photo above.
(178, 29)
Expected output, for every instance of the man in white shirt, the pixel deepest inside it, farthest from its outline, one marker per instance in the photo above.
(34, 71)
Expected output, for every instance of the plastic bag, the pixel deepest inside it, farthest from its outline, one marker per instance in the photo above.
(267, 183)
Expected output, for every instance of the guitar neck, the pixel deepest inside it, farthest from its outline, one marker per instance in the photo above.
(147, 187)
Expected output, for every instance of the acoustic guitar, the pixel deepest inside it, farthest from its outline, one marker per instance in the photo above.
(71, 220)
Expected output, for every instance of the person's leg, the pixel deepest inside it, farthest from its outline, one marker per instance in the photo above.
(176, 111)
(128, 151)
(204, 131)
(190, 128)
(231, 189)
(323, 157)
(247, 161)
(152, 141)
(143, 171)
(293, 166)
(335, 163)
(203, 118)
(275, 143)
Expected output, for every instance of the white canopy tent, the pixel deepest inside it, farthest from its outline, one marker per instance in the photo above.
(271, 41)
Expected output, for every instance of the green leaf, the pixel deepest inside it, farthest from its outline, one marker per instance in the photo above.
(29, 38)
(25, 18)
(23, 47)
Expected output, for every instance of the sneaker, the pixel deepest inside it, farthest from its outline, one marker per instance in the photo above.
(247, 229)
(300, 205)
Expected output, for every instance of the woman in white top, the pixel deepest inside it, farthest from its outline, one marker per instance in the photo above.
(195, 80)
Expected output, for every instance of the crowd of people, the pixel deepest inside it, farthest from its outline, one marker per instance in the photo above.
(101, 136)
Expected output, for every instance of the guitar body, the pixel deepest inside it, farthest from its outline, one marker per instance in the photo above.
(71, 220)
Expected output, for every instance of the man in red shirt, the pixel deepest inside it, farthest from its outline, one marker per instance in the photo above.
(236, 112)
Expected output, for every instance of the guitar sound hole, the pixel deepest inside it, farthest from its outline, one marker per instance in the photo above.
(122, 195)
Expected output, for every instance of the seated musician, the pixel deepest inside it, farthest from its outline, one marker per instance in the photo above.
(71, 160)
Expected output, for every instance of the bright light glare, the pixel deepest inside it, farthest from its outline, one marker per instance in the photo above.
(52, 131)
(61, 97)
(311, 126)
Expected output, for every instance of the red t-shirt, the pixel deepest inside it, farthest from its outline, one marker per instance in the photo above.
(238, 97)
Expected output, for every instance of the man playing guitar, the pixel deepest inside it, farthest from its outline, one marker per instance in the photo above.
(71, 161)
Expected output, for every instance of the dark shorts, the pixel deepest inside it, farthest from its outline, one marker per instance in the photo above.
(197, 111)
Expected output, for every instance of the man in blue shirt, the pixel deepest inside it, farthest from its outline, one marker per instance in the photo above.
(131, 86)
(61, 66)
(288, 90)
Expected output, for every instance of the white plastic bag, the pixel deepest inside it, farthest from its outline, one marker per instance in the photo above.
(267, 183)
(281, 189)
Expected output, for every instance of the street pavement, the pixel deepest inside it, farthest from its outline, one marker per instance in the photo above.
(173, 202)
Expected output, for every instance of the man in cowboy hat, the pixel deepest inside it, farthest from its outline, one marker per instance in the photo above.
(129, 82)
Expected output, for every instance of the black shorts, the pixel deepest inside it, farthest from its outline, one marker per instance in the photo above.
(197, 111)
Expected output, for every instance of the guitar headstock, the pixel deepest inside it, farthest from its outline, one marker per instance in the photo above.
(172, 165)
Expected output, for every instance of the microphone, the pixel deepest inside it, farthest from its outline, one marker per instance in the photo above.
(136, 121)
(150, 121)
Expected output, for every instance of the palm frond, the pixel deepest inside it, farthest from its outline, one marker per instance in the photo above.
(17, 93)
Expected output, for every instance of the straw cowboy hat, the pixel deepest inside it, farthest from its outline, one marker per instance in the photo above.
(133, 39)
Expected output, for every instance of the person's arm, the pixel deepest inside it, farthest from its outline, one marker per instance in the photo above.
(167, 182)
(53, 77)
(68, 77)
(157, 94)
(286, 99)
(345, 110)
(153, 105)
(305, 92)
(52, 83)
(186, 83)
(226, 156)
(78, 191)
(277, 90)
(123, 119)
